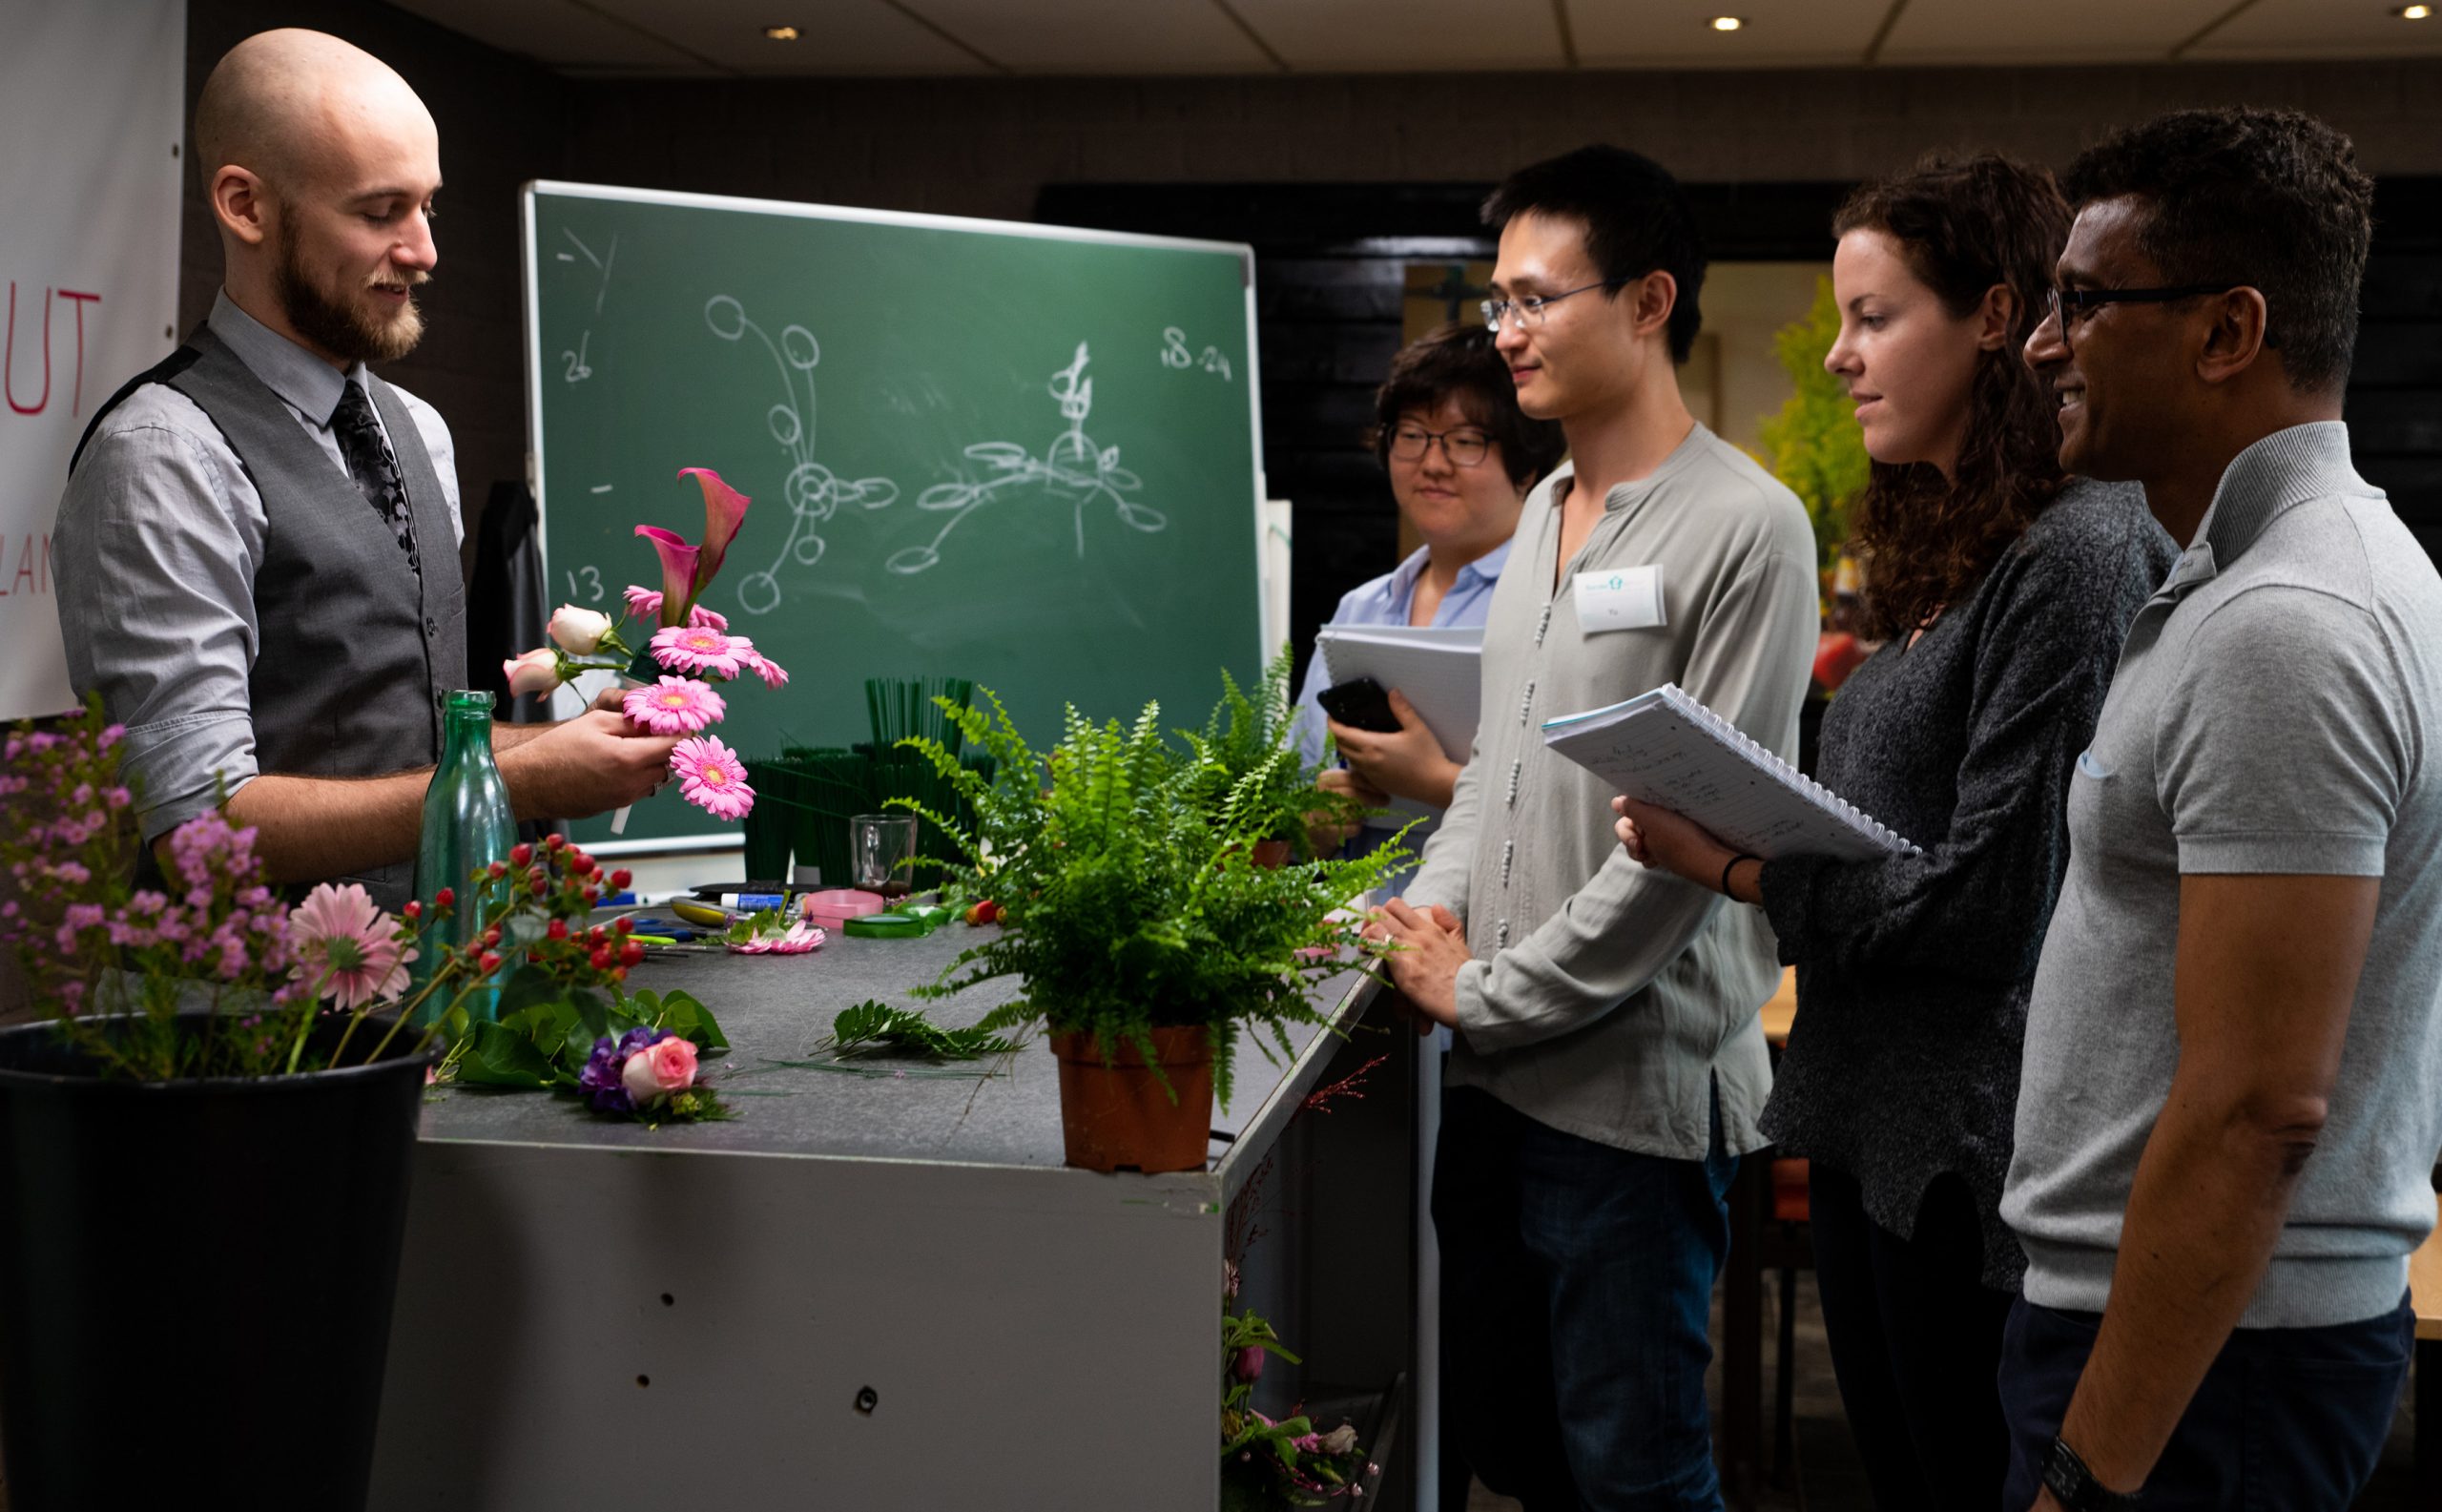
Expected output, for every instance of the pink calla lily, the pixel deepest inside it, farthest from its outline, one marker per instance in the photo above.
(679, 564)
(724, 511)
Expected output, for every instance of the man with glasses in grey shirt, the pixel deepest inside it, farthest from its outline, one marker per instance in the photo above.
(2228, 1119)
(257, 558)
(1608, 1066)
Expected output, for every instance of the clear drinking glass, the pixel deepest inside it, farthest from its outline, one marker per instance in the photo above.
(881, 847)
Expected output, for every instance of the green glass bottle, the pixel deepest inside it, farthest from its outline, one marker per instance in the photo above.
(467, 823)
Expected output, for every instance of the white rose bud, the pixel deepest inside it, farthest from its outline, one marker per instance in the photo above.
(579, 630)
(538, 670)
(1341, 1439)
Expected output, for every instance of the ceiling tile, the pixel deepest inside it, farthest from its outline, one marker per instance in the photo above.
(2323, 28)
(1101, 37)
(2055, 31)
(1679, 33)
(557, 34)
(1346, 37)
(834, 36)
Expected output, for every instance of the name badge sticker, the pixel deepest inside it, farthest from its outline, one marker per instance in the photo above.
(1620, 598)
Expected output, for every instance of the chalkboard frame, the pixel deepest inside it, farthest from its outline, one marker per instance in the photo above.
(715, 835)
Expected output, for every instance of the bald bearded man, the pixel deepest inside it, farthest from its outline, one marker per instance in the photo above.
(257, 551)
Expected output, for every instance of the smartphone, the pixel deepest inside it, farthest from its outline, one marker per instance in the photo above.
(1360, 704)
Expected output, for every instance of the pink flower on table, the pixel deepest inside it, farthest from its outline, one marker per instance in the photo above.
(578, 631)
(700, 616)
(697, 647)
(643, 602)
(712, 778)
(660, 1069)
(797, 940)
(347, 948)
(674, 706)
(538, 670)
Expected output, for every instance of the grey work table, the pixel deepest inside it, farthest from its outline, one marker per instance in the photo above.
(883, 1293)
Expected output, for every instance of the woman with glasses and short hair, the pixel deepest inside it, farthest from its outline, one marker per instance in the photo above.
(2001, 590)
(1461, 460)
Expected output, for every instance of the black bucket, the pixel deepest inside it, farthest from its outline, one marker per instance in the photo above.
(196, 1277)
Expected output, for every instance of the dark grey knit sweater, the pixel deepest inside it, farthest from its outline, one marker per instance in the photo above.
(1914, 972)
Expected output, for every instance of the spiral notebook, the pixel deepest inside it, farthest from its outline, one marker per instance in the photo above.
(1666, 749)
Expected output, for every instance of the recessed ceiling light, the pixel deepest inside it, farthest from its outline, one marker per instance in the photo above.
(2413, 13)
(1732, 23)
(783, 33)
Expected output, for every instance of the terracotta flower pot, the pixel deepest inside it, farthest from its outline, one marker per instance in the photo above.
(1118, 1117)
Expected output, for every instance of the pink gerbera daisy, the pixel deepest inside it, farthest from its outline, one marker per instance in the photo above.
(699, 615)
(674, 706)
(712, 778)
(643, 603)
(347, 948)
(764, 667)
(697, 647)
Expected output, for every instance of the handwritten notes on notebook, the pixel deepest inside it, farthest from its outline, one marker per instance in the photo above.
(1664, 748)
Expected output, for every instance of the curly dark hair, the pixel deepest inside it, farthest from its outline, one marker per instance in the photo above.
(1637, 221)
(2272, 200)
(1963, 226)
(1459, 361)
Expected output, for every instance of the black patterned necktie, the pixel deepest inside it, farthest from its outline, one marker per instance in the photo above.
(371, 463)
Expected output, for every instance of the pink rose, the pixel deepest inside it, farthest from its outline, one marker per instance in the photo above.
(658, 1069)
(578, 631)
(538, 670)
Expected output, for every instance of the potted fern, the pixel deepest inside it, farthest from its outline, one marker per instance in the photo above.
(1236, 754)
(1134, 912)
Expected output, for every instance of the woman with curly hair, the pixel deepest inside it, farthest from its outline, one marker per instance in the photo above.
(2001, 590)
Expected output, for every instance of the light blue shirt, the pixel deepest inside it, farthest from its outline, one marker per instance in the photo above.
(1388, 600)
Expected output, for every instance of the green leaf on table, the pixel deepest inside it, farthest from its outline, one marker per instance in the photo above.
(527, 986)
(873, 1027)
(497, 1055)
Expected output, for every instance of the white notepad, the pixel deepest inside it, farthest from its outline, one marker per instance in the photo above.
(1438, 671)
(1666, 749)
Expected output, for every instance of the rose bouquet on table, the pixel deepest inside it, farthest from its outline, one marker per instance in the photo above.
(687, 653)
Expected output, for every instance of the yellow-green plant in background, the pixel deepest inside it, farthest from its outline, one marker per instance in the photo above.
(1813, 445)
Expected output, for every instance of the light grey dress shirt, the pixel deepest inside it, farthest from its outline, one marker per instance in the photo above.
(171, 531)
(1605, 998)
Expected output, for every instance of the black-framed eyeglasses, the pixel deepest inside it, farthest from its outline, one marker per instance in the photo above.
(1466, 448)
(1530, 308)
(2081, 303)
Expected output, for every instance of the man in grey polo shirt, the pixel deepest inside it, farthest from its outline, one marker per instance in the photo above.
(2229, 1115)
(258, 548)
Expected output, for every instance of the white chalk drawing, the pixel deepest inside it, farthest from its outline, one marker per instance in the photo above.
(578, 369)
(1071, 468)
(814, 492)
(1174, 354)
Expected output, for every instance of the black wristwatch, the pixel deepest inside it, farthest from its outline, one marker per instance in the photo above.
(2075, 1487)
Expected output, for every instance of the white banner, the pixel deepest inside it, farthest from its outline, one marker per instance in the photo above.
(92, 108)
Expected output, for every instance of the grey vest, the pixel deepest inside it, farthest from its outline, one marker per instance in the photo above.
(356, 650)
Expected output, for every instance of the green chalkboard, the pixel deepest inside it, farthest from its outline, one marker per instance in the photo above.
(1018, 454)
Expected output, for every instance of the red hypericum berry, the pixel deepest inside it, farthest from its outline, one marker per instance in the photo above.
(633, 953)
(600, 958)
(618, 973)
(520, 854)
(489, 963)
(594, 934)
(594, 897)
(540, 886)
(413, 909)
(554, 842)
(623, 924)
(498, 870)
(558, 929)
(491, 936)
(620, 879)
(445, 898)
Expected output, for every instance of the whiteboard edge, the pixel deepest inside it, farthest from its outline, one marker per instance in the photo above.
(532, 311)
(924, 220)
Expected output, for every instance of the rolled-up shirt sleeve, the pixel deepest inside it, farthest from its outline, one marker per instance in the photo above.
(157, 568)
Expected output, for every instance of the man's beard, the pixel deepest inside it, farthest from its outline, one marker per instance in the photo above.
(347, 330)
